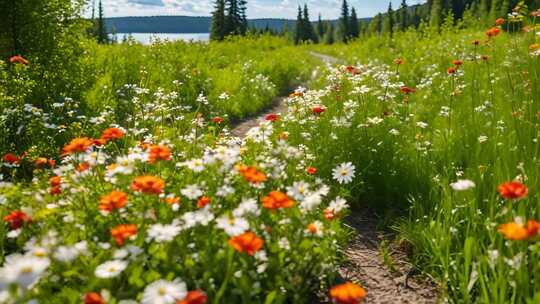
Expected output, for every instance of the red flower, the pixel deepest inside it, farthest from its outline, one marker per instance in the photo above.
(203, 201)
(513, 190)
(311, 170)
(194, 297)
(16, 219)
(55, 183)
(399, 61)
(122, 232)
(113, 201)
(11, 158)
(18, 59)
(93, 298)
(217, 120)
(457, 62)
(79, 145)
(247, 242)
(347, 293)
(352, 70)
(492, 32)
(500, 21)
(318, 109)
(272, 117)
(451, 71)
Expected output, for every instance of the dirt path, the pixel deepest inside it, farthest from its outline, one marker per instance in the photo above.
(386, 283)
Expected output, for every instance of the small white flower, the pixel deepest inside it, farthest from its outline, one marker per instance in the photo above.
(232, 226)
(422, 124)
(344, 173)
(462, 185)
(195, 165)
(337, 205)
(164, 292)
(298, 190)
(23, 270)
(110, 269)
(162, 233)
(482, 139)
(192, 192)
(247, 207)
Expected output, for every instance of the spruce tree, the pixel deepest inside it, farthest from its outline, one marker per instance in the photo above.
(344, 29)
(354, 27)
(388, 25)
(242, 16)
(403, 16)
(217, 30)
(309, 31)
(231, 18)
(299, 31)
(320, 27)
(101, 27)
(329, 33)
(436, 14)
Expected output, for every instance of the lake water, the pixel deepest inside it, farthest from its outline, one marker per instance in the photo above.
(147, 38)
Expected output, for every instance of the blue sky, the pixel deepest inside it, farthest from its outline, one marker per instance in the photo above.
(329, 9)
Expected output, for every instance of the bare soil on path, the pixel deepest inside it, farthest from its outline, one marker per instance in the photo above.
(386, 282)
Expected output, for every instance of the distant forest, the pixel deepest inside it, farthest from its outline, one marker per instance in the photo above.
(185, 24)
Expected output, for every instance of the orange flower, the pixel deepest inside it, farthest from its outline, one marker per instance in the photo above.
(218, 120)
(171, 200)
(399, 61)
(18, 59)
(312, 228)
(500, 21)
(41, 162)
(16, 219)
(55, 181)
(112, 134)
(78, 145)
(348, 293)
(329, 214)
(148, 184)
(252, 175)
(276, 200)
(513, 190)
(159, 152)
(534, 47)
(93, 298)
(407, 90)
(194, 297)
(492, 32)
(247, 242)
(112, 201)
(457, 62)
(518, 232)
(311, 170)
(82, 167)
(203, 201)
(451, 70)
(122, 232)
(11, 158)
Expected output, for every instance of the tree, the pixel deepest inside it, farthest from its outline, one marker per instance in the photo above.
(217, 30)
(242, 16)
(299, 27)
(403, 16)
(329, 33)
(308, 27)
(103, 37)
(320, 27)
(388, 25)
(343, 28)
(375, 26)
(436, 14)
(505, 8)
(354, 26)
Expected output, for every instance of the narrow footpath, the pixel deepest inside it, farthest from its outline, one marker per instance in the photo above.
(388, 278)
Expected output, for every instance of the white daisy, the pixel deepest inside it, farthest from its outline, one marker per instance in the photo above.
(232, 226)
(164, 292)
(192, 192)
(462, 185)
(195, 165)
(23, 270)
(246, 207)
(298, 190)
(163, 233)
(110, 269)
(344, 173)
(338, 204)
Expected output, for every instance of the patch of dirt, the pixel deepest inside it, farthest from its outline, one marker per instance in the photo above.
(279, 106)
(393, 282)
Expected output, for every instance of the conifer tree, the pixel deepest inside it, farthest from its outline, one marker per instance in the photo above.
(299, 31)
(354, 27)
(403, 15)
(217, 31)
(329, 33)
(344, 22)
(308, 27)
(242, 16)
(101, 27)
(375, 26)
(388, 25)
(436, 14)
(320, 27)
